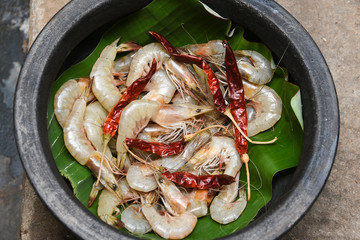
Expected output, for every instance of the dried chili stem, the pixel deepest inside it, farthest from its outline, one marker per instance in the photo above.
(229, 115)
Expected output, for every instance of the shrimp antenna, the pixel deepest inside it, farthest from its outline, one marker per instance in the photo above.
(191, 136)
(187, 32)
(281, 58)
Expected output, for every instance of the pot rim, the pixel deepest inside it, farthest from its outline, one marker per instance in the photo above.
(51, 48)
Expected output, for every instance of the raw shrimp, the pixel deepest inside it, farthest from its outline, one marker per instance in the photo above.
(134, 221)
(254, 67)
(166, 225)
(108, 203)
(184, 80)
(138, 113)
(143, 58)
(160, 88)
(66, 96)
(199, 201)
(134, 118)
(219, 149)
(152, 132)
(223, 208)
(80, 147)
(122, 66)
(141, 177)
(173, 196)
(94, 119)
(104, 86)
(172, 115)
(173, 163)
(263, 108)
(212, 51)
(107, 208)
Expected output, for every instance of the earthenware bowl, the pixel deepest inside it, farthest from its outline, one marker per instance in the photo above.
(294, 190)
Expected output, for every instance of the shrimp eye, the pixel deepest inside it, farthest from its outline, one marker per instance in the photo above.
(161, 180)
(198, 110)
(114, 187)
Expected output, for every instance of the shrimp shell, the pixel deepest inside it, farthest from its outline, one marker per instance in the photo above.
(66, 96)
(264, 109)
(143, 58)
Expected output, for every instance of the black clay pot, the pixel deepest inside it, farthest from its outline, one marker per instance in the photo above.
(294, 190)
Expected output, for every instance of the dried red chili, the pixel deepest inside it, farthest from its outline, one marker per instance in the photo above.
(190, 180)
(160, 149)
(212, 80)
(236, 99)
(132, 92)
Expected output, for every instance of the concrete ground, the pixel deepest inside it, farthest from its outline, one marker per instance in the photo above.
(335, 27)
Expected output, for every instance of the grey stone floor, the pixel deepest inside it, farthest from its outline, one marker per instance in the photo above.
(335, 27)
(14, 25)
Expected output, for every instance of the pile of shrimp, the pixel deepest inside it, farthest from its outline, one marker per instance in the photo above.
(175, 104)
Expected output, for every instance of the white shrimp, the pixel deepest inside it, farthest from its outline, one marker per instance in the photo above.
(184, 80)
(173, 196)
(66, 96)
(223, 208)
(173, 163)
(134, 220)
(172, 115)
(199, 202)
(107, 208)
(160, 88)
(254, 67)
(80, 147)
(134, 118)
(138, 113)
(108, 203)
(94, 120)
(166, 225)
(263, 108)
(208, 158)
(141, 177)
(122, 65)
(142, 60)
(213, 51)
(104, 85)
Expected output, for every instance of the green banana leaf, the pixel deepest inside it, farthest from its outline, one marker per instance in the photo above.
(185, 22)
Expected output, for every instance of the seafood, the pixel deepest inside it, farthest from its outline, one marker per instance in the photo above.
(184, 79)
(254, 67)
(219, 149)
(173, 115)
(160, 88)
(223, 208)
(141, 177)
(166, 225)
(66, 96)
(80, 147)
(93, 123)
(134, 221)
(173, 163)
(104, 86)
(264, 107)
(122, 66)
(134, 118)
(108, 208)
(173, 196)
(199, 201)
(141, 61)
